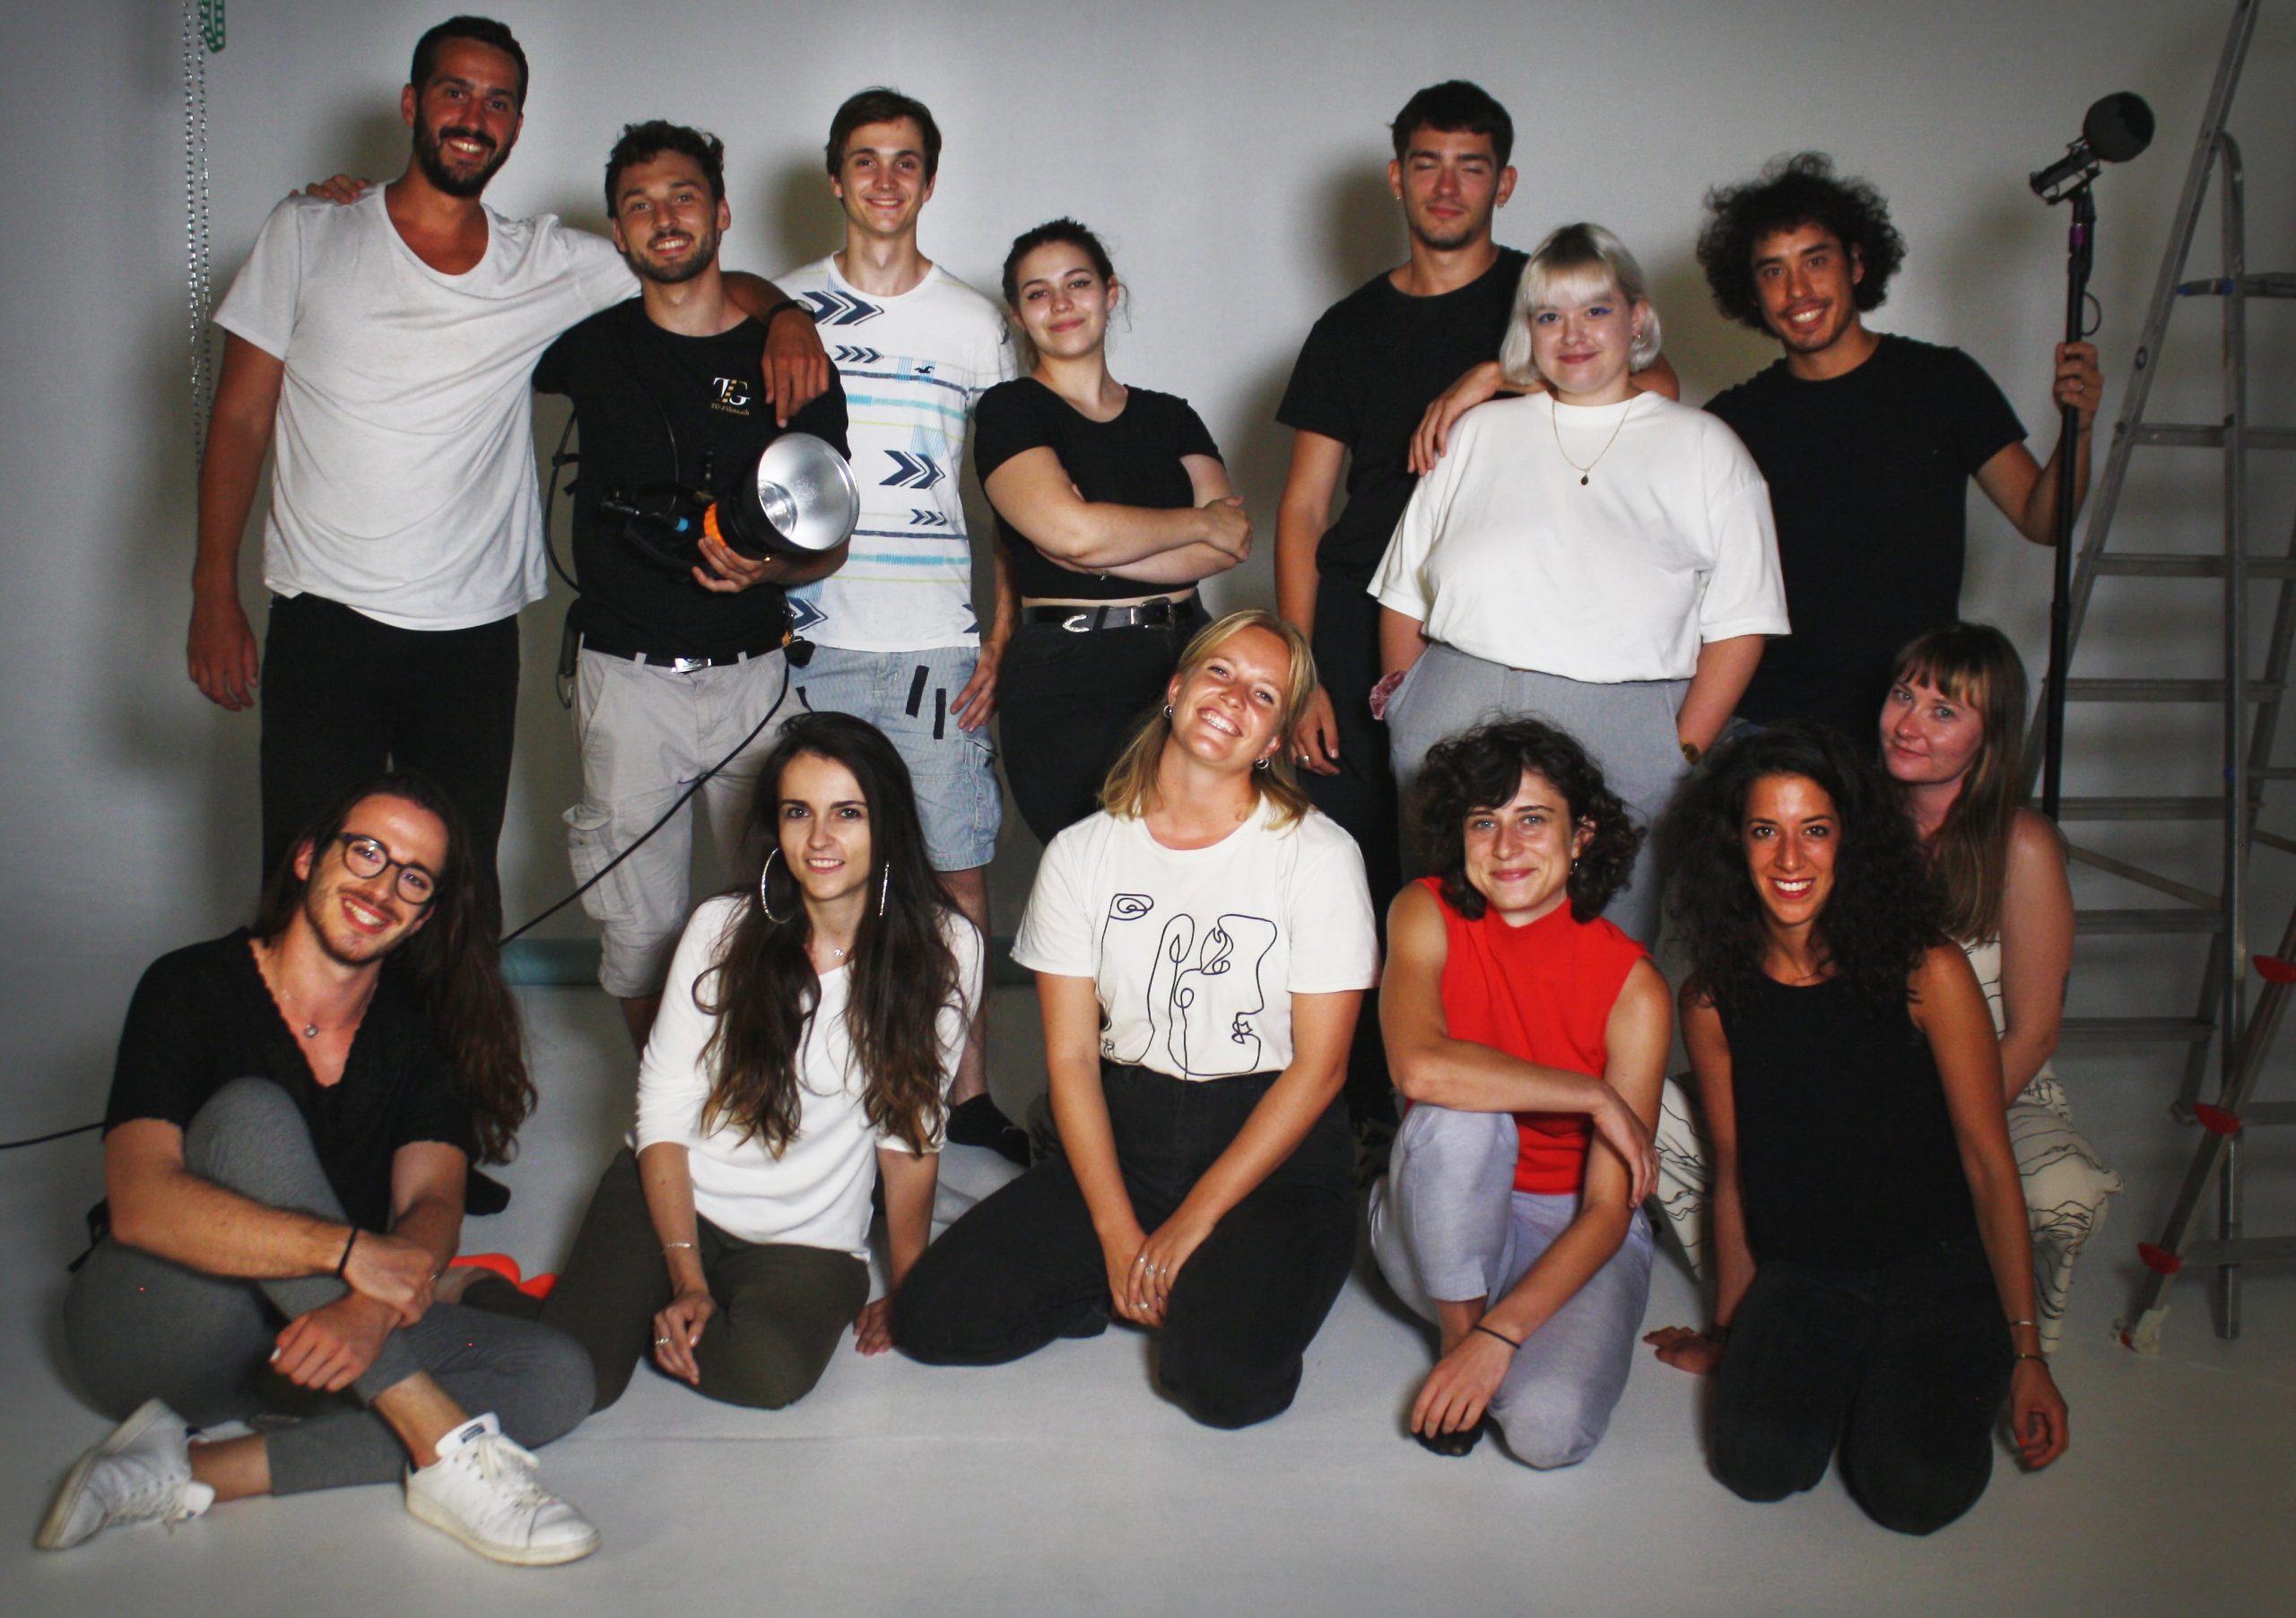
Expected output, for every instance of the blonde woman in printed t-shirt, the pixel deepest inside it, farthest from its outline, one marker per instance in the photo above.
(1595, 557)
(804, 1048)
(1201, 947)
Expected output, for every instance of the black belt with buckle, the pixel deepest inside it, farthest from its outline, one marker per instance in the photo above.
(684, 666)
(1083, 621)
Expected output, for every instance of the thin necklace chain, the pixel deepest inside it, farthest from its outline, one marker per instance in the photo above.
(1554, 420)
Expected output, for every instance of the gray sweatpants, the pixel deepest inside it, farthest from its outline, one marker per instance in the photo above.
(1448, 1223)
(1627, 729)
(139, 1326)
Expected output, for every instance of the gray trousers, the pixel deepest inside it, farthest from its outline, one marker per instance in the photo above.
(1447, 1224)
(1627, 729)
(139, 1326)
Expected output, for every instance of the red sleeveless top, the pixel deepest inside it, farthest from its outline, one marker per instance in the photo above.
(1544, 993)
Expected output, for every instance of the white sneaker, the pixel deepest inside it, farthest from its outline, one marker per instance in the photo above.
(481, 1490)
(141, 1474)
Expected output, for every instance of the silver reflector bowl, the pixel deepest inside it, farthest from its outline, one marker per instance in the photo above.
(800, 497)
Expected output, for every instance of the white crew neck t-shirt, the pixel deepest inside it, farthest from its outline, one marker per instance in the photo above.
(1196, 953)
(1505, 554)
(816, 1193)
(403, 480)
(912, 367)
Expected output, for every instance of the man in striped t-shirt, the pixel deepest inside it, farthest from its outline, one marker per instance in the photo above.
(895, 640)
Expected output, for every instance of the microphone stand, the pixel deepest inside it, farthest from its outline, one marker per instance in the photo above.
(2081, 246)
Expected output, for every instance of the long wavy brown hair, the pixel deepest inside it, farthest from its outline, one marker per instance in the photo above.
(763, 990)
(451, 963)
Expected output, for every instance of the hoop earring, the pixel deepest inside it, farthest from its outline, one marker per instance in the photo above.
(764, 879)
(884, 887)
(1262, 761)
(1168, 710)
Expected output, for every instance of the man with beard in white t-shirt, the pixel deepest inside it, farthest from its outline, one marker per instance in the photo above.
(895, 638)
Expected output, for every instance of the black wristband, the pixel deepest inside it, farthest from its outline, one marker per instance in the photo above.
(344, 1263)
(1502, 1336)
(783, 307)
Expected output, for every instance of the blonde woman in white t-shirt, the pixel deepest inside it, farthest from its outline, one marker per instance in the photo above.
(1201, 947)
(1594, 556)
(804, 1048)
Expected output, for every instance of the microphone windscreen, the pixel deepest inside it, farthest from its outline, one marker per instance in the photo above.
(2118, 126)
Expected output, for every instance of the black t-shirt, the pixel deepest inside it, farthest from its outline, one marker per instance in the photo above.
(1845, 1149)
(1133, 460)
(1368, 372)
(658, 409)
(1868, 476)
(203, 1016)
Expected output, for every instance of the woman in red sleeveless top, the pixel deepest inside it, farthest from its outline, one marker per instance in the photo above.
(1520, 1026)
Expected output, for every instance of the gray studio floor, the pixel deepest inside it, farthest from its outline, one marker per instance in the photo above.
(1063, 1485)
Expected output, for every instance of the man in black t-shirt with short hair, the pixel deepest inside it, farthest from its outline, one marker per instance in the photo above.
(1868, 442)
(286, 1146)
(681, 635)
(1365, 377)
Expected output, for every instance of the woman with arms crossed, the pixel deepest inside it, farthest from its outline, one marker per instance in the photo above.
(1515, 1017)
(1201, 946)
(1601, 558)
(1112, 503)
(1952, 738)
(1873, 1274)
(805, 1047)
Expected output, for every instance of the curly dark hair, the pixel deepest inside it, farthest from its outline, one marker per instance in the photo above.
(1790, 193)
(1481, 768)
(1885, 912)
(451, 963)
(763, 989)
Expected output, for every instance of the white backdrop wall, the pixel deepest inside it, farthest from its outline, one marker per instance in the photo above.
(1232, 155)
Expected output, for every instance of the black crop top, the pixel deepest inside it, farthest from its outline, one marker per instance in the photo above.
(1133, 460)
(1846, 1149)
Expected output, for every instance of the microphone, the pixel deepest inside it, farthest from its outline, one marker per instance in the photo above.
(2116, 129)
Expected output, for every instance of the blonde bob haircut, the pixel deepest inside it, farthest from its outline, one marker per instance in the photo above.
(1586, 260)
(1130, 790)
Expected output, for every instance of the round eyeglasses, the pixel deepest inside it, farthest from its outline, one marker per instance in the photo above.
(365, 857)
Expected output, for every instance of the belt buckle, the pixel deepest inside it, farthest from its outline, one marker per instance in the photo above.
(686, 665)
(1078, 624)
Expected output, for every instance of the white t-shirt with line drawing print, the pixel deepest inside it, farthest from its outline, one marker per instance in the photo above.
(912, 367)
(1196, 953)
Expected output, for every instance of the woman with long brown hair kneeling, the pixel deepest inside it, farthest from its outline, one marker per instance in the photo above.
(1874, 1280)
(805, 1047)
(1201, 948)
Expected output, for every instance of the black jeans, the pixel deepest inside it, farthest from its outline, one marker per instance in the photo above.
(1361, 798)
(345, 698)
(782, 1309)
(1068, 702)
(1904, 1368)
(1025, 1266)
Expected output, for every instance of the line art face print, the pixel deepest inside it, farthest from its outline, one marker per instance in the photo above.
(1204, 991)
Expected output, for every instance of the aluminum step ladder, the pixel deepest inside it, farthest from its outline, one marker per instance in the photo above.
(2249, 709)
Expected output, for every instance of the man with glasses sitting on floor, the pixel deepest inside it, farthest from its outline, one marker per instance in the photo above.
(290, 1128)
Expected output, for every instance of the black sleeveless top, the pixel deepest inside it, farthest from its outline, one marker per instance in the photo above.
(1846, 1150)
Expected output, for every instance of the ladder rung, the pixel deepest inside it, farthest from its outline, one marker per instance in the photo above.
(2161, 690)
(2269, 284)
(2242, 1249)
(2176, 1030)
(2140, 809)
(2200, 435)
(2156, 919)
(2181, 564)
